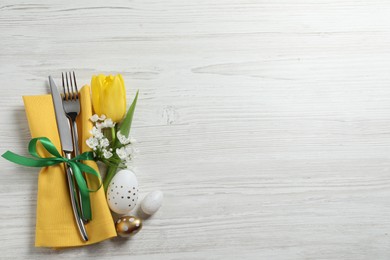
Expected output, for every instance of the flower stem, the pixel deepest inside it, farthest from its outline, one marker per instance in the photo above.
(113, 135)
(109, 175)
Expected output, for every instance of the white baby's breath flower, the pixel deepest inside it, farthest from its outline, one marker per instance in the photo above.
(107, 123)
(133, 140)
(92, 143)
(104, 142)
(122, 153)
(107, 154)
(94, 118)
(122, 138)
(96, 132)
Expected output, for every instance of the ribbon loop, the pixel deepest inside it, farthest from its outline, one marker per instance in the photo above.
(77, 167)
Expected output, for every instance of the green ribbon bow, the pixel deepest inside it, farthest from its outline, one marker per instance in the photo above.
(57, 158)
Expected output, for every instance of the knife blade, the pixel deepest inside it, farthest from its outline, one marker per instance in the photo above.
(63, 124)
(64, 130)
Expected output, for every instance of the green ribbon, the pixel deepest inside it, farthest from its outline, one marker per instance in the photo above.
(77, 167)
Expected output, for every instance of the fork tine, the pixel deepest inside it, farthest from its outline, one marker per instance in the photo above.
(75, 84)
(63, 85)
(71, 93)
(68, 95)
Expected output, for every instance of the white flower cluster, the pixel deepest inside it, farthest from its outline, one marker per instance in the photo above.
(127, 152)
(102, 122)
(125, 140)
(100, 144)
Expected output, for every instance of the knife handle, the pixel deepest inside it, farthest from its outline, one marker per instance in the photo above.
(79, 221)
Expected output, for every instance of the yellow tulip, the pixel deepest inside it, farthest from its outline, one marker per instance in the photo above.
(109, 96)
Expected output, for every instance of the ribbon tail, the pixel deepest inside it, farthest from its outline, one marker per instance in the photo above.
(25, 161)
(86, 206)
(84, 191)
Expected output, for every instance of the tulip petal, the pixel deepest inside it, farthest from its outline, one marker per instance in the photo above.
(124, 91)
(101, 82)
(95, 95)
(113, 102)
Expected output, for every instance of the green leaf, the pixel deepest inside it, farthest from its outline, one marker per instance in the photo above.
(124, 128)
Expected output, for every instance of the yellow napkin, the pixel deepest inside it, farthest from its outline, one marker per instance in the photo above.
(55, 224)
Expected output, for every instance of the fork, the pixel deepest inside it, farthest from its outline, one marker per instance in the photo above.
(71, 104)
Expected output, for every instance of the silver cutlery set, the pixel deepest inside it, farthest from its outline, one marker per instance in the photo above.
(67, 108)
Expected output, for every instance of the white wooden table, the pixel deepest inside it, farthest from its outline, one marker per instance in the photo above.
(265, 123)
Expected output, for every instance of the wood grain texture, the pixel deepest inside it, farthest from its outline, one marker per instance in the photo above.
(265, 123)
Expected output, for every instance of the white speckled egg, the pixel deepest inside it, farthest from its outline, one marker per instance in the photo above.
(152, 202)
(122, 192)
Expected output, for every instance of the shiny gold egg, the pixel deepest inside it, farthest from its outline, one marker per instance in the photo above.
(127, 226)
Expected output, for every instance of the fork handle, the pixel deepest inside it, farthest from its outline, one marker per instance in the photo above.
(79, 222)
(75, 137)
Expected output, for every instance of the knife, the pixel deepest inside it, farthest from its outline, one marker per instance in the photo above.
(64, 131)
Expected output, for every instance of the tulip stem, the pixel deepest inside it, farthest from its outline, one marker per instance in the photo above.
(113, 135)
(109, 175)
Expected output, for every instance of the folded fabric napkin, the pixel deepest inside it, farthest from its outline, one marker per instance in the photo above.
(55, 224)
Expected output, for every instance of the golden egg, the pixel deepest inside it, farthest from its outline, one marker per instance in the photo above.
(127, 226)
